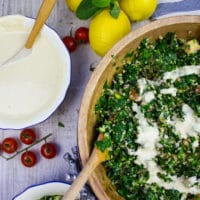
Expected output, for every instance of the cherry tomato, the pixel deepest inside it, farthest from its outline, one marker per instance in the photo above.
(28, 158)
(9, 145)
(28, 136)
(81, 34)
(70, 43)
(48, 150)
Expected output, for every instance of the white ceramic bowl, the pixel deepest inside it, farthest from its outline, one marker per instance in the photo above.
(36, 192)
(51, 103)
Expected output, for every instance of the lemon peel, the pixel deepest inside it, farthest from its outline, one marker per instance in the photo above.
(138, 10)
(73, 4)
(105, 31)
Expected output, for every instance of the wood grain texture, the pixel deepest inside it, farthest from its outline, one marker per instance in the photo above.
(95, 159)
(184, 26)
(14, 177)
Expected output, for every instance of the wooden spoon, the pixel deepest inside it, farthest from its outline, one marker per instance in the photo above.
(42, 16)
(95, 159)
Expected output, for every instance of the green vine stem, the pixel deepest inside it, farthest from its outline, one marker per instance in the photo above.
(26, 148)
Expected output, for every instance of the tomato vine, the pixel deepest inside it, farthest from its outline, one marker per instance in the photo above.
(26, 148)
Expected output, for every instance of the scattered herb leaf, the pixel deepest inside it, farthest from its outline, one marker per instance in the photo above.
(60, 124)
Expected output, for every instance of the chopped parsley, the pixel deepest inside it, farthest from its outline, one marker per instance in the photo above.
(51, 197)
(60, 124)
(166, 107)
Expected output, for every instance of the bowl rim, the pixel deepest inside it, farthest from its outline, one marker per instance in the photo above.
(66, 59)
(39, 185)
(82, 139)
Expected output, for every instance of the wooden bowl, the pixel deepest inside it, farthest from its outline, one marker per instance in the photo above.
(183, 26)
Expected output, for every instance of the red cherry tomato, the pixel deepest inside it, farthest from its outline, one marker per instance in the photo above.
(70, 43)
(28, 158)
(48, 150)
(28, 136)
(82, 34)
(9, 145)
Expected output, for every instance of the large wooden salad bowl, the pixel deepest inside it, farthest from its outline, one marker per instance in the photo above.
(183, 26)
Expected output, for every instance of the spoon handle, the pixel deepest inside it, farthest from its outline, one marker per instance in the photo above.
(79, 182)
(42, 16)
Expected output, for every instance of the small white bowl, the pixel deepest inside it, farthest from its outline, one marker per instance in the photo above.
(36, 192)
(17, 118)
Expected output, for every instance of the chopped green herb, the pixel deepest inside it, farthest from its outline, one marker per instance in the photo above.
(51, 197)
(60, 124)
(141, 100)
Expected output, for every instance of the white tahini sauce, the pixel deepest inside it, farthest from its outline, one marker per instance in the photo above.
(148, 135)
(142, 83)
(190, 126)
(32, 84)
(171, 91)
(183, 71)
(173, 75)
(148, 96)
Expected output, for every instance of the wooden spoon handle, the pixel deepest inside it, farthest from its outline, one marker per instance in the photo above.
(42, 16)
(79, 182)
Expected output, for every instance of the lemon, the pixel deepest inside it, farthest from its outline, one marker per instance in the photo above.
(138, 10)
(105, 31)
(73, 4)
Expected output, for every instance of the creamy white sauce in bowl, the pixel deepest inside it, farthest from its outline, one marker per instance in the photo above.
(31, 88)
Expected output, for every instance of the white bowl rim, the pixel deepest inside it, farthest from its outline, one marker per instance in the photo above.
(39, 186)
(28, 21)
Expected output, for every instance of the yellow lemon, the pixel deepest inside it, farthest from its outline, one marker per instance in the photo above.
(73, 4)
(105, 31)
(138, 10)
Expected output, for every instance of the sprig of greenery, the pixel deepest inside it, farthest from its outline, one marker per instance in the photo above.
(88, 8)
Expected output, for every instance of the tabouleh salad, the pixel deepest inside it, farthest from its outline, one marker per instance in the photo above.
(150, 117)
(51, 197)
